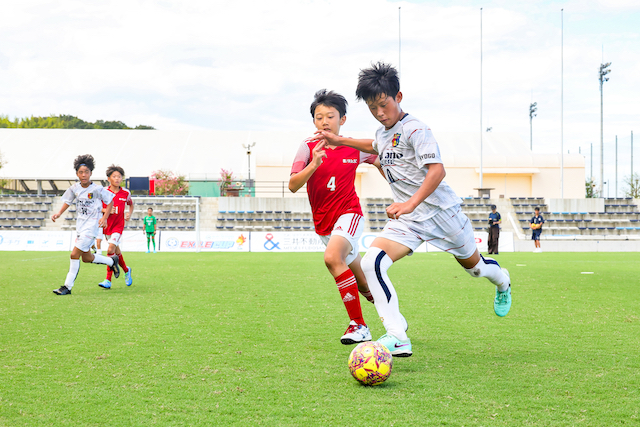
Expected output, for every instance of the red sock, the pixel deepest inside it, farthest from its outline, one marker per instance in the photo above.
(348, 288)
(109, 272)
(122, 264)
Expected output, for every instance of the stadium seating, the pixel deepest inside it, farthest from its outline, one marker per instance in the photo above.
(24, 211)
(618, 221)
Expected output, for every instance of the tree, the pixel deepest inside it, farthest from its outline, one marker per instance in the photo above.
(591, 189)
(169, 184)
(63, 121)
(633, 186)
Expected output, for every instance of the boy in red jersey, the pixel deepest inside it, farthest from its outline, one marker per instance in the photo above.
(329, 173)
(115, 224)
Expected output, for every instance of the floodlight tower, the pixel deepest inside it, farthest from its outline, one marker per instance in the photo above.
(248, 147)
(532, 113)
(604, 70)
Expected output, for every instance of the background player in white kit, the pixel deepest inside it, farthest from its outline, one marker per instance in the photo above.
(88, 197)
(425, 208)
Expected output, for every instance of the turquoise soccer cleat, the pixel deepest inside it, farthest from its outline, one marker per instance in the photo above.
(395, 346)
(502, 302)
(127, 278)
(105, 284)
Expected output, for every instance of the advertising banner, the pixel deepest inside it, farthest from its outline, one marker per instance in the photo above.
(16, 240)
(133, 241)
(284, 241)
(210, 241)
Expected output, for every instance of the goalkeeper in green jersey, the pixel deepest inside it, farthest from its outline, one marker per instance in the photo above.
(150, 229)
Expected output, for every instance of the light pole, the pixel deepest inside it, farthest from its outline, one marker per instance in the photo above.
(399, 43)
(532, 113)
(562, 104)
(248, 147)
(603, 72)
(481, 98)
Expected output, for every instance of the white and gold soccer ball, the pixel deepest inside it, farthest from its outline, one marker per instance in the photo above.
(370, 363)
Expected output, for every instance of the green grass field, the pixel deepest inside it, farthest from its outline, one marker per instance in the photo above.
(253, 339)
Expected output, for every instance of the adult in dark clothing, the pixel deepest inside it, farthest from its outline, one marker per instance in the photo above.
(494, 230)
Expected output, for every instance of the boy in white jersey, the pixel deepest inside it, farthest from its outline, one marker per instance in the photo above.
(88, 197)
(425, 208)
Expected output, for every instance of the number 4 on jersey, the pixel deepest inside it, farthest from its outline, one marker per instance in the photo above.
(331, 185)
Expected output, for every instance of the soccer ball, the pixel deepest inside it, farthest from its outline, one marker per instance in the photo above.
(370, 363)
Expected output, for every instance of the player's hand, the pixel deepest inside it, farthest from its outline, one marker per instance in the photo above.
(330, 138)
(394, 210)
(54, 217)
(319, 153)
(102, 222)
(127, 216)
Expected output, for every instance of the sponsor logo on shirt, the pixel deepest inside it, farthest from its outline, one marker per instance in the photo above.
(389, 157)
(349, 160)
(396, 139)
(428, 156)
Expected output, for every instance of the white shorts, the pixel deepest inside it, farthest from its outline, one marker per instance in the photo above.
(114, 239)
(100, 233)
(350, 226)
(84, 242)
(449, 230)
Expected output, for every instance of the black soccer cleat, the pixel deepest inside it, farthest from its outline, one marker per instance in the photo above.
(62, 291)
(115, 268)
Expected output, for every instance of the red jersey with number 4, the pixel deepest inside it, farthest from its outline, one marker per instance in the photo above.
(330, 189)
(115, 223)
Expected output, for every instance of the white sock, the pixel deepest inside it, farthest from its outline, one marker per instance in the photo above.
(489, 268)
(99, 251)
(375, 264)
(100, 259)
(74, 268)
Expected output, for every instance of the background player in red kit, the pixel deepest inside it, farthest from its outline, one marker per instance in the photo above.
(329, 173)
(115, 224)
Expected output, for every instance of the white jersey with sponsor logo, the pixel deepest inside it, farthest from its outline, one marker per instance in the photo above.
(88, 206)
(406, 151)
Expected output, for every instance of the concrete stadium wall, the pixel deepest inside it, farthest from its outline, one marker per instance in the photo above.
(575, 205)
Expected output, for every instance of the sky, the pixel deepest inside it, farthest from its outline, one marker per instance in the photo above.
(254, 65)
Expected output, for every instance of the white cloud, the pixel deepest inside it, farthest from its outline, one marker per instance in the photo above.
(255, 65)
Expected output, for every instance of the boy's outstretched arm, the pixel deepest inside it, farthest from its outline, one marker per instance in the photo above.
(60, 212)
(296, 181)
(364, 145)
(434, 177)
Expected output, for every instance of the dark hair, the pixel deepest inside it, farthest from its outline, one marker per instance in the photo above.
(493, 207)
(84, 160)
(150, 208)
(330, 99)
(380, 79)
(537, 209)
(113, 168)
